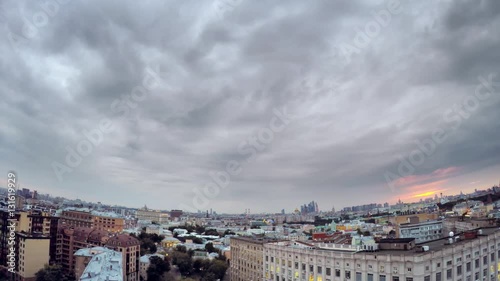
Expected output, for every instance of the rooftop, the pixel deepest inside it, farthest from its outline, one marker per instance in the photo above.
(105, 265)
(435, 245)
(442, 243)
(94, 212)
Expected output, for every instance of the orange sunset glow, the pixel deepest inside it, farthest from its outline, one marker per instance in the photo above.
(425, 194)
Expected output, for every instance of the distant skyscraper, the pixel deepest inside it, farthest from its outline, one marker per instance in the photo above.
(310, 208)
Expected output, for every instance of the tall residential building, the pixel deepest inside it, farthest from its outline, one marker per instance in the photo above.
(130, 248)
(70, 240)
(469, 256)
(33, 254)
(246, 258)
(35, 241)
(99, 264)
(108, 221)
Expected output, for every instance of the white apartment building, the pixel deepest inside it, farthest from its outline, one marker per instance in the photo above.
(465, 259)
(423, 231)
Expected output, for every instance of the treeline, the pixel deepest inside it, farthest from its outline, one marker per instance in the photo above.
(202, 269)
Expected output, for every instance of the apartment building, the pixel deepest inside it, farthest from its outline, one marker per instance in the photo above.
(108, 221)
(35, 241)
(466, 257)
(76, 218)
(130, 248)
(33, 255)
(82, 217)
(246, 258)
(71, 240)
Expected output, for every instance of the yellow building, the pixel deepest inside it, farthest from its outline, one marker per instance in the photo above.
(108, 222)
(35, 237)
(170, 242)
(154, 216)
(33, 255)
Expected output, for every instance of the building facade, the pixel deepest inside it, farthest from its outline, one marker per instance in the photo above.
(246, 258)
(33, 255)
(154, 216)
(107, 221)
(463, 258)
(130, 248)
(34, 241)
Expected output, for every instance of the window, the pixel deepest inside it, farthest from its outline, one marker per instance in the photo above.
(485, 260)
(320, 270)
(358, 276)
(337, 272)
(395, 278)
(328, 271)
(427, 278)
(347, 275)
(438, 276)
(381, 278)
(409, 278)
(468, 267)
(448, 274)
(369, 277)
(476, 263)
(459, 270)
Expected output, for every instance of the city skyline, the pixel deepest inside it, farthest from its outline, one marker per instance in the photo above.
(251, 106)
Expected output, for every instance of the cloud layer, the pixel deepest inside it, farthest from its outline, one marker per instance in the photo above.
(224, 67)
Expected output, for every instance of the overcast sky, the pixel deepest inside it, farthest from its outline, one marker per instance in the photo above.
(331, 95)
